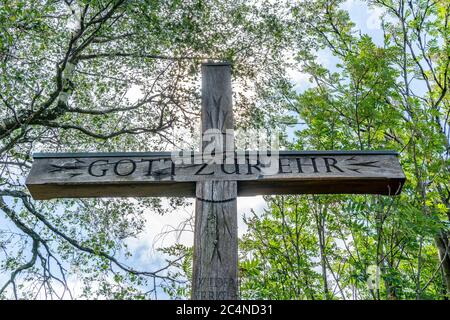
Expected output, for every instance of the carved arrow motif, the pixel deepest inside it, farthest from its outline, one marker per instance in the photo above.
(366, 164)
(68, 166)
(220, 116)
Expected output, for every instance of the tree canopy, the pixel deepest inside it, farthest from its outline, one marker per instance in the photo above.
(123, 75)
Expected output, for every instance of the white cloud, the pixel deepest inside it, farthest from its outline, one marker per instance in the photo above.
(299, 79)
(348, 5)
(134, 93)
(244, 206)
(374, 19)
(73, 23)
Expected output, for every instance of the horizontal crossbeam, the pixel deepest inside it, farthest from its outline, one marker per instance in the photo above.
(68, 175)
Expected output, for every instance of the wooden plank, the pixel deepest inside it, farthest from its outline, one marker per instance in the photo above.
(215, 263)
(155, 174)
(215, 275)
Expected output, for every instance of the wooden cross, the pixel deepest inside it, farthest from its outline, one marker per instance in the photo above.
(215, 186)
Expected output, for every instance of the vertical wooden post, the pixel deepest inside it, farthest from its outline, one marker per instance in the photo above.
(215, 269)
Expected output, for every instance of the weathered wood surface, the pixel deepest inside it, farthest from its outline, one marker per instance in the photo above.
(215, 263)
(215, 275)
(154, 174)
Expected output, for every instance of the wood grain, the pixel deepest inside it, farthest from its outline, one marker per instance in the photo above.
(215, 265)
(215, 274)
(124, 176)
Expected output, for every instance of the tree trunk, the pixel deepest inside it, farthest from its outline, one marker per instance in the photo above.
(320, 223)
(442, 244)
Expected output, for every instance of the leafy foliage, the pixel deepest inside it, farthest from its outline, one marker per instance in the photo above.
(110, 76)
(67, 70)
(388, 96)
